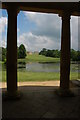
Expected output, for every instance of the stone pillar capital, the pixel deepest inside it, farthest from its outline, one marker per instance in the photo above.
(13, 9)
(65, 15)
(18, 11)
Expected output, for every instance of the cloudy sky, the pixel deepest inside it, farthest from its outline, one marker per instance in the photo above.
(38, 30)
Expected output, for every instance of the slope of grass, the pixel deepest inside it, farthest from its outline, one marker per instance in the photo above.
(38, 58)
(37, 76)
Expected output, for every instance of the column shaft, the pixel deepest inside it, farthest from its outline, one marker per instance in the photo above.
(65, 52)
(12, 50)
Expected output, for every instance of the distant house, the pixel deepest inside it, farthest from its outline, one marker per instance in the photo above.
(29, 53)
(36, 52)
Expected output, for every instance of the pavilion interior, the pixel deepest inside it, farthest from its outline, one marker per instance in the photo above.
(40, 101)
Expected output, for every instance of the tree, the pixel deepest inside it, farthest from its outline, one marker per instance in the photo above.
(78, 56)
(56, 53)
(2, 53)
(21, 51)
(43, 51)
(74, 55)
(50, 53)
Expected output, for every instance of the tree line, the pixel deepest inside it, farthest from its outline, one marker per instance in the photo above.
(75, 55)
(21, 52)
(50, 53)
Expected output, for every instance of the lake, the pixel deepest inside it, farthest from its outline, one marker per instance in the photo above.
(40, 71)
(45, 67)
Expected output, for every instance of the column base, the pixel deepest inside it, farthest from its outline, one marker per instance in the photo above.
(64, 92)
(11, 95)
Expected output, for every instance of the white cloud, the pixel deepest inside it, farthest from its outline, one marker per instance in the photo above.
(18, 29)
(49, 25)
(3, 43)
(3, 24)
(47, 32)
(74, 32)
(36, 43)
(46, 24)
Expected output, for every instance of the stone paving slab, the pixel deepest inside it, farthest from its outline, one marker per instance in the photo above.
(42, 102)
(33, 83)
(76, 82)
(43, 83)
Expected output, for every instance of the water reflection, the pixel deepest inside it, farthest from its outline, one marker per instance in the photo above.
(45, 67)
(42, 67)
(21, 65)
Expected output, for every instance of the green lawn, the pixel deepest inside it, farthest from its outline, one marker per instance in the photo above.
(1, 62)
(38, 58)
(42, 76)
(37, 76)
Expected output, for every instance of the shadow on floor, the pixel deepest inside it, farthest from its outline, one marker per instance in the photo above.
(42, 102)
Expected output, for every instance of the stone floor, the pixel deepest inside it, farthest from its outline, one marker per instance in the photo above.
(42, 102)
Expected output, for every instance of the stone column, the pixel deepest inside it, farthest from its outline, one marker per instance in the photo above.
(12, 53)
(65, 52)
(65, 55)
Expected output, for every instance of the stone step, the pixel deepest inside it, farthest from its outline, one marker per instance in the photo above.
(76, 82)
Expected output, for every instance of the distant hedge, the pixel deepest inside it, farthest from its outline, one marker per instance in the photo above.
(75, 55)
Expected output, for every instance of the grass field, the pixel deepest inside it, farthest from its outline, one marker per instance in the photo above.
(41, 76)
(38, 58)
(38, 76)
